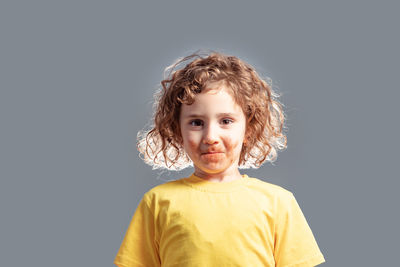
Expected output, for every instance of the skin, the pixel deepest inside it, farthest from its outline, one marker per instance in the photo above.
(213, 130)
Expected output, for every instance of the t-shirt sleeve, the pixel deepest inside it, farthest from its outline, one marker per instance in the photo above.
(139, 246)
(294, 244)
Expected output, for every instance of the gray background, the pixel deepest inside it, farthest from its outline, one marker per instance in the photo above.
(77, 79)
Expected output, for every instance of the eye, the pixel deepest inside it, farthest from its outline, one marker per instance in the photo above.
(196, 123)
(227, 121)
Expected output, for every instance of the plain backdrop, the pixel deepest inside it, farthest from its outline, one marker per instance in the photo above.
(77, 80)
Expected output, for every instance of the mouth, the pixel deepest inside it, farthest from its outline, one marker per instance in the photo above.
(212, 152)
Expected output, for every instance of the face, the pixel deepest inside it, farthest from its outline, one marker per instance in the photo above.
(213, 130)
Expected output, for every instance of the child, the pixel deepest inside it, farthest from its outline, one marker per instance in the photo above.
(219, 115)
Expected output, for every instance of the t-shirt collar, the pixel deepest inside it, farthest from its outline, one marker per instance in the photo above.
(205, 185)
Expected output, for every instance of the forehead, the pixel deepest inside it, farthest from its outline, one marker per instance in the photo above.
(216, 98)
(217, 86)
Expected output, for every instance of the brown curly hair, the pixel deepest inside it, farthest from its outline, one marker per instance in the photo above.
(162, 146)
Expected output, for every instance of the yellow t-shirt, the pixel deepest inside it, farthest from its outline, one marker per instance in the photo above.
(192, 222)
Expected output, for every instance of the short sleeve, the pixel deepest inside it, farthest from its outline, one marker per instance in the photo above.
(294, 244)
(139, 246)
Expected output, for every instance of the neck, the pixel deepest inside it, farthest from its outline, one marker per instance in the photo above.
(225, 176)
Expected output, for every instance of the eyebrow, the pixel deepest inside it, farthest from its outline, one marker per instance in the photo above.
(219, 115)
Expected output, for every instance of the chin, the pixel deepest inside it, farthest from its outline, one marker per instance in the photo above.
(213, 170)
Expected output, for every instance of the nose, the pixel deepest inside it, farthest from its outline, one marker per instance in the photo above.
(210, 136)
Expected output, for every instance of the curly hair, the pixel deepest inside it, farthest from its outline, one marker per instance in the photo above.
(161, 146)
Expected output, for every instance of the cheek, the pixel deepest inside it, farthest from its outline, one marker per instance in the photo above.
(235, 142)
(232, 144)
(191, 142)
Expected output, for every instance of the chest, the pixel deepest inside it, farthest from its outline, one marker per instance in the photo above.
(217, 224)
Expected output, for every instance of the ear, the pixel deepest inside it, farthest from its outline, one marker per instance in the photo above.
(178, 136)
(248, 137)
(247, 134)
(179, 140)
(245, 142)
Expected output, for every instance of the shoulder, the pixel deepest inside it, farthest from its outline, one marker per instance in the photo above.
(162, 191)
(280, 199)
(268, 189)
(283, 201)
